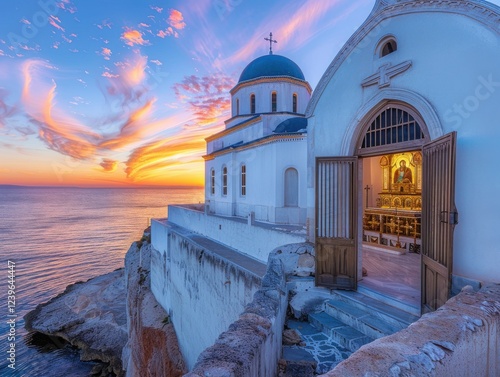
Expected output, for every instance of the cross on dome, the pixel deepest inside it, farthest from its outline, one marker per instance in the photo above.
(271, 41)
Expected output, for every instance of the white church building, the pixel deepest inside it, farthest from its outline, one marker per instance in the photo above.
(257, 165)
(393, 153)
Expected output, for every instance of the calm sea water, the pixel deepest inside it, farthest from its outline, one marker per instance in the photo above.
(57, 236)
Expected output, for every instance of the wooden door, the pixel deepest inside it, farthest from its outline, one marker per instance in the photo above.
(439, 217)
(336, 209)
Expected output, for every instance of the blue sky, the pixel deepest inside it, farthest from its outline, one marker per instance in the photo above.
(106, 93)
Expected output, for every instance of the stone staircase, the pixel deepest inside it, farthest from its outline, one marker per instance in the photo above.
(342, 323)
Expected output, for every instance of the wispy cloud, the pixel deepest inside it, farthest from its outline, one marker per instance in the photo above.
(153, 159)
(67, 6)
(109, 165)
(207, 96)
(167, 32)
(158, 9)
(104, 24)
(55, 22)
(6, 111)
(294, 29)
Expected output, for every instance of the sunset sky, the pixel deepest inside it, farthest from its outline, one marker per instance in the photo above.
(123, 93)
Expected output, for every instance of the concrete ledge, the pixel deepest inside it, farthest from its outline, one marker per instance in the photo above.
(459, 339)
(254, 240)
(252, 345)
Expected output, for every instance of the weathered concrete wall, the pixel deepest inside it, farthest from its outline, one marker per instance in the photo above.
(459, 339)
(152, 348)
(252, 240)
(202, 292)
(252, 345)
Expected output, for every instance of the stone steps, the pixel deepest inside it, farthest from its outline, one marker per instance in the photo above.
(359, 319)
(341, 333)
(394, 315)
(340, 324)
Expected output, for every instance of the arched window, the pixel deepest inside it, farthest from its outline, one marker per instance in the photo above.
(243, 180)
(387, 46)
(237, 106)
(291, 188)
(392, 125)
(252, 104)
(224, 181)
(294, 103)
(212, 182)
(274, 102)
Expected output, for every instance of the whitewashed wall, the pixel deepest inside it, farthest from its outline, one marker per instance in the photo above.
(454, 82)
(265, 166)
(202, 292)
(262, 91)
(254, 241)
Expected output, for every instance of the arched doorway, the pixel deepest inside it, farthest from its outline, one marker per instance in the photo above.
(390, 160)
(408, 204)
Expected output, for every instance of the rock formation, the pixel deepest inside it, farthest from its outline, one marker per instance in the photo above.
(152, 348)
(90, 316)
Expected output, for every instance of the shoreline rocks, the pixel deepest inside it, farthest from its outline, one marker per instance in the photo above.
(90, 316)
(114, 319)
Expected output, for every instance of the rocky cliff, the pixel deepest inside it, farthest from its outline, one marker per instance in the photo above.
(152, 348)
(115, 319)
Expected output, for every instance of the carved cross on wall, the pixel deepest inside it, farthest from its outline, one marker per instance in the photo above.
(385, 73)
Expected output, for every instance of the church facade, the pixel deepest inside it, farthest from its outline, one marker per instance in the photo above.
(409, 108)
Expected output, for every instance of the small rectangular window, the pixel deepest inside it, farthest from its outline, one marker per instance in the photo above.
(243, 180)
(274, 101)
(252, 104)
(212, 182)
(224, 181)
(294, 105)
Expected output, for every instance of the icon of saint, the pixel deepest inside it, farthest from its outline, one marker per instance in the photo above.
(403, 174)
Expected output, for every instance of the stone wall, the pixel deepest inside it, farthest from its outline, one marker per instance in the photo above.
(202, 292)
(152, 348)
(252, 240)
(459, 339)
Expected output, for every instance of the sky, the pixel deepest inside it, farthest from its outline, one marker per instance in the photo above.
(123, 93)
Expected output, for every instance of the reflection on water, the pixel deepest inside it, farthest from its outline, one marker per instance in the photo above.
(58, 236)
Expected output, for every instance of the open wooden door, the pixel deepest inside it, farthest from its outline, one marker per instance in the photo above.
(439, 217)
(336, 209)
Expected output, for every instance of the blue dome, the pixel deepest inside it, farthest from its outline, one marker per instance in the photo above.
(291, 125)
(271, 66)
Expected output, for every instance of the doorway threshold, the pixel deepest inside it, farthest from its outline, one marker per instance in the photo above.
(409, 302)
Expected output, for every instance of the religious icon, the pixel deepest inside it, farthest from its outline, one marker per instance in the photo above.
(403, 174)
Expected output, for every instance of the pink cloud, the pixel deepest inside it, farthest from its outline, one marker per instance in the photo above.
(133, 37)
(106, 52)
(167, 32)
(176, 20)
(54, 21)
(157, 62)
(158, 9)
(206, 96)
(67, 6)
(109, 165)
(104, 24)
(108, 75)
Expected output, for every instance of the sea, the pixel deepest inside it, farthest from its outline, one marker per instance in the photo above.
(53, 237)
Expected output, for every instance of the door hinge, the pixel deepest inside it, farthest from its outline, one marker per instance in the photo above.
(449, 217)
